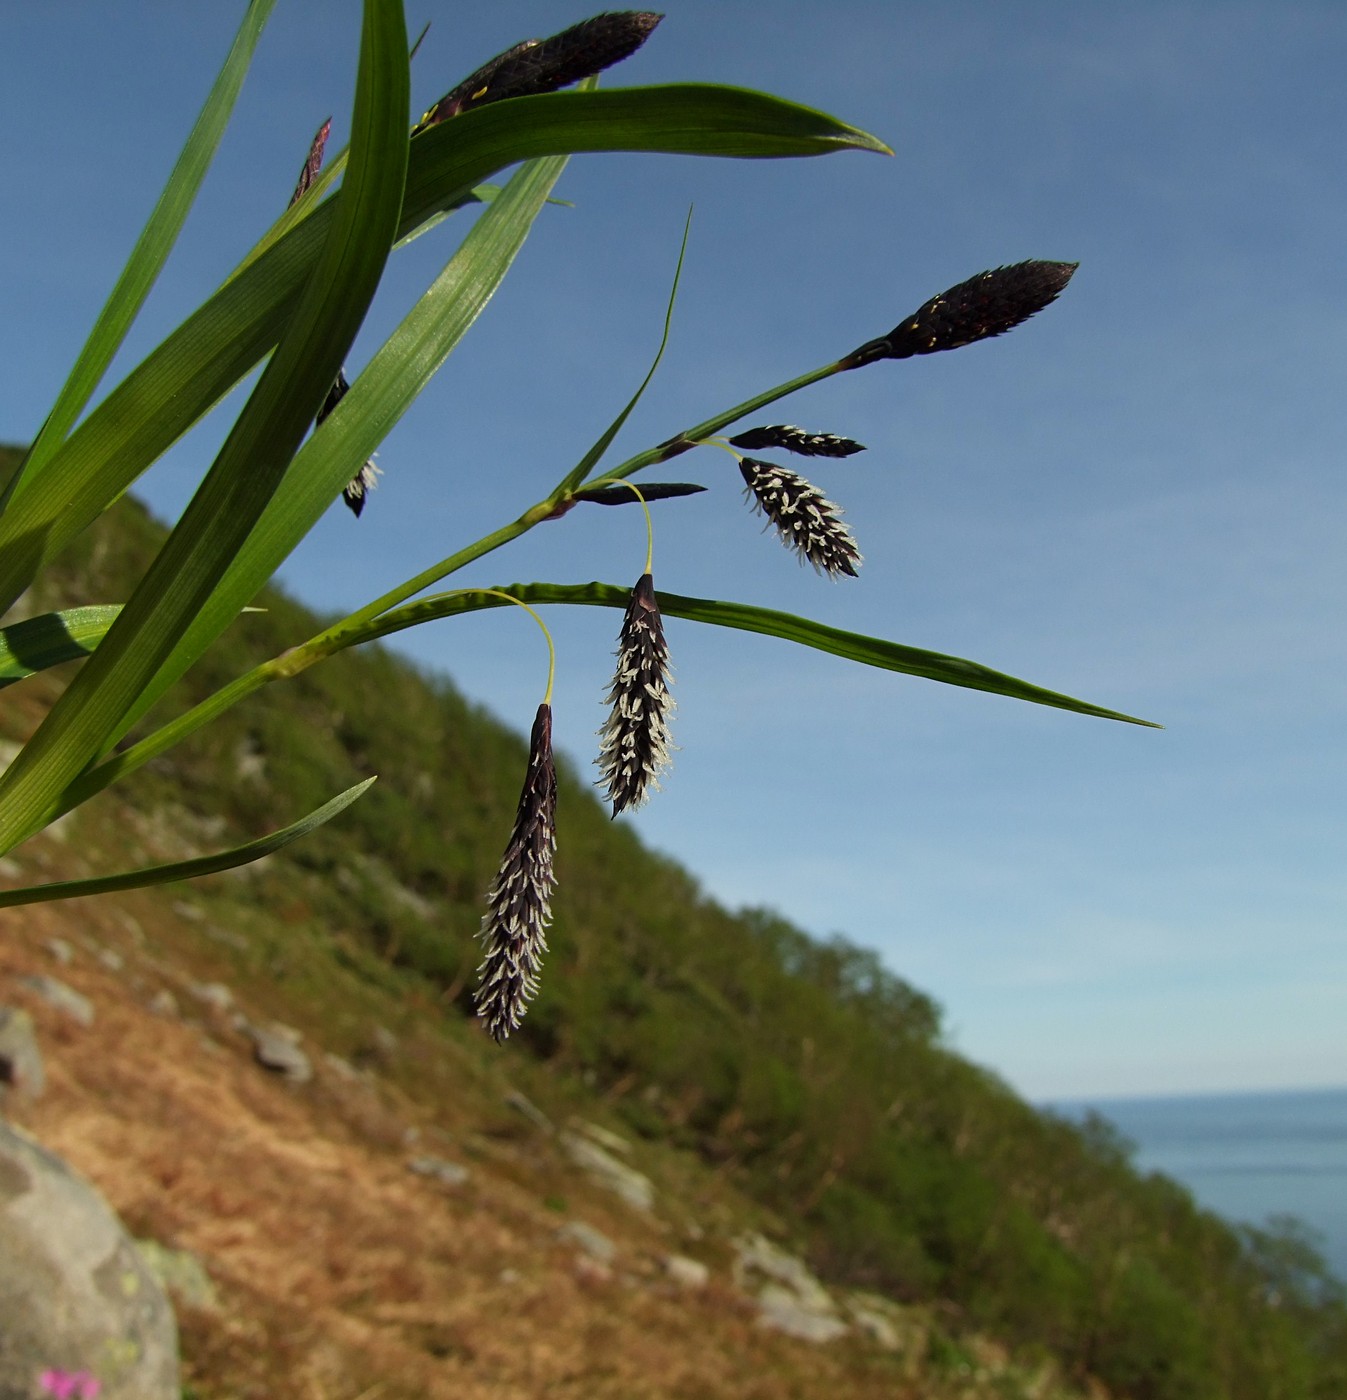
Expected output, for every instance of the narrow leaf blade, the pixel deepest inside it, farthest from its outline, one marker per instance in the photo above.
(38, 643)
(186, 869)
(155, 242)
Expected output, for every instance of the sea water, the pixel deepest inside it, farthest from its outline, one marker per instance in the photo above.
(1247, 1156)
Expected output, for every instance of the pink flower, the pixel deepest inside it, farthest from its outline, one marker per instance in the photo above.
(71, 1385)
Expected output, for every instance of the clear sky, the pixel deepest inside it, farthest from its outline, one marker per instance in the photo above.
(1136, 498)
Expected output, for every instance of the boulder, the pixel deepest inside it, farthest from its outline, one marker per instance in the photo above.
(75, 1295)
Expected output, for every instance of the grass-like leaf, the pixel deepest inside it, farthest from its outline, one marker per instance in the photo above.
(388, 386)
(186, 869)
(591, 458)
(201, 361)
(154, 244)
(257, 452)
(38, 643)
(853, 646)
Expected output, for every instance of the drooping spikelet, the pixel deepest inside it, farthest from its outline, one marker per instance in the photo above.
(544, 65)
(805, 519)
(796, 440)
(634, 746)
(364, 481)
(314, 162)
(986, 305)
(519, 905)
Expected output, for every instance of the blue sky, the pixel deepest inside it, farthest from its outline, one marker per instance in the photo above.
(1136, 498)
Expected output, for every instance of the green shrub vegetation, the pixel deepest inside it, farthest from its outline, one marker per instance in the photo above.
(806, 1070)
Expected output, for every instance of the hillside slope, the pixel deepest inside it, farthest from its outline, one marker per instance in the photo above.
(760, 1079)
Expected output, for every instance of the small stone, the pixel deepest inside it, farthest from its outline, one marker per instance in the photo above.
(65, 999)
(20, 1060)
(782, 1311)
(446, 1173)
(606, 1139)
(592, 1242)
(685, 1272)
(274, 1048)
(60, 950)
(164, 1003)
(528, 1109)
(343, 1069)
(636, 1189)
(110, 959)
(213, 994)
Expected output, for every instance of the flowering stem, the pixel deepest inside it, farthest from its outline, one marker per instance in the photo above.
(649, 524)
(694, 437)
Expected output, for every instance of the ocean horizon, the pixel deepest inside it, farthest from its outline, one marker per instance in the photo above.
(1246, 1156)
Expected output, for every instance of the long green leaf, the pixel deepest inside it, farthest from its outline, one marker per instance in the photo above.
(591, 458)
(186, 869)
(257, 452)
(154, 244)
(41, 642)
(201, 361)
(853, 646)
(398, 372)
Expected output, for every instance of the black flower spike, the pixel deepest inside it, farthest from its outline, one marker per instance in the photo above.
(804, 517)
(650, 491)
(314, 163)
(519, 905)
(986, 305)
(544, 65)
(364, 481)
(634, 744)
(797, 440)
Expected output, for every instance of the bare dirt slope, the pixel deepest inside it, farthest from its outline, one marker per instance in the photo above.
(340, 1272)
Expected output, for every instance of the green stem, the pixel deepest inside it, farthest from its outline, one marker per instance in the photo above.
(693, 437)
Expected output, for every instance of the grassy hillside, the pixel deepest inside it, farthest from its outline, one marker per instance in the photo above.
(803, 1073)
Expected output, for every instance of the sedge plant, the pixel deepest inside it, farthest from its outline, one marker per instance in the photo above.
(306, 436)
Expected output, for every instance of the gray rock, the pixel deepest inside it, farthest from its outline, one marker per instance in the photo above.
(633, 1187)
(790, 1299)
(60, 950)
(75, 1294)
(609, 1141)
(343, 1069)
(164, 1003)
(593, 1242)
(110, 959)
(20, 1059)
(275, 1048)
(182, 1273)
(687, 1273)
(445, 1172)
(782, 1311)
(65, 999)
(213, 994)
(528, 1109)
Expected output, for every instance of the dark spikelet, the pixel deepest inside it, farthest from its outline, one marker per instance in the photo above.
(651, 491)
(364, 481)
(807, 521)
(986, 305)
(797, 440)
(544, 65)
(634, 745)
(519, 905)
(313, 164)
